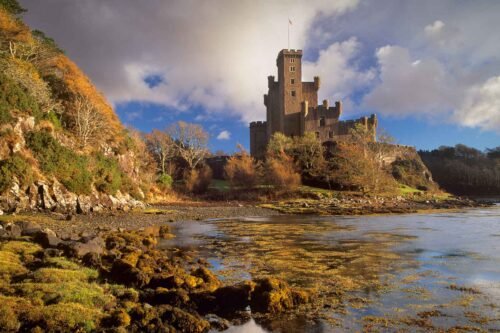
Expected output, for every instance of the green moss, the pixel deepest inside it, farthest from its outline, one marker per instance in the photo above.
(10, 264)
(88, 294)
(61, 262)
(24, 249)
(14, 166)
(71, 169)
(70, 317)
(54, 275)
(54, 119)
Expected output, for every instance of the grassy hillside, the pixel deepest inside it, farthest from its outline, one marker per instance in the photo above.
(55, 126)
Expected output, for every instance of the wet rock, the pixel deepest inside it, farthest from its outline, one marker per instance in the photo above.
(210, 281)
(271, 295)
(182, 320)
(217, 323)
(227, 299)
(47, 238)
(165, 232)
(165, 280)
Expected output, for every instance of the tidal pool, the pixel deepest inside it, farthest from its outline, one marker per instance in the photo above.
(417, 272)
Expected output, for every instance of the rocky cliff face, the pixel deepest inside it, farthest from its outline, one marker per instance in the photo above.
(62, 147)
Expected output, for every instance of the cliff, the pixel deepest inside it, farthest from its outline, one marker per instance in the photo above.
(62, 147)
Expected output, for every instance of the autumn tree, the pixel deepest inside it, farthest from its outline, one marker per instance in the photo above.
(86, 120)
(190, 141)
(163, 148)
(241, 170)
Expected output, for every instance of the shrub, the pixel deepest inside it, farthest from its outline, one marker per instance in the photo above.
(280, 173)
(15, 166)
(67, 166)
(198, 180)
(14, 97)
(165, 182)
(241, 170)
(108, 177)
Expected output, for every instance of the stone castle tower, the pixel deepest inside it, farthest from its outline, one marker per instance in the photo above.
(292, 108)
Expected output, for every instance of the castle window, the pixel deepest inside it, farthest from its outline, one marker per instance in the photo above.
(292, 93)
(292, 60)
(330, 134)
(292, 68)
(322, 122)
(292, 81)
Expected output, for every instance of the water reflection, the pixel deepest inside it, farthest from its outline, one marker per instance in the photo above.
(431, 271)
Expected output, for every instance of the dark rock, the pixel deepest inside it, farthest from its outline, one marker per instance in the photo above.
(47, 238)
(123, 272)
(165, 280)
(174, 297)
(217, 323)
(182, 320)
(29, 228)
(70, 217)
(92, 259)
(211, 282)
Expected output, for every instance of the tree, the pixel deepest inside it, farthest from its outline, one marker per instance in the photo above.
(242, 170)
(190, 141)
(86, 120)
(12, 6)
(278, 145)
(308, 154)
(163, 148)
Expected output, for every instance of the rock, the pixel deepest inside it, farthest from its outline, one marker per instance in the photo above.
(12, 230)
(80, 249)
(70, 217)
(271, 295)
(29, 228)
(124, 272)
(1, 212)
(47, 238)
(174, 297)
(165, 232)
(92, 259)
(217, 323)
(211, 282)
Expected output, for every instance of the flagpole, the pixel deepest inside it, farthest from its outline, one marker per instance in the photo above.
(288, 33)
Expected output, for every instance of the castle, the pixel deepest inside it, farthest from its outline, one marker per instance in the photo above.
(292, 108)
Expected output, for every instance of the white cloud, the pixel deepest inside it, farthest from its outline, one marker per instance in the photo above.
(481, 107)
(224, 135)
(339, 75)
(435, 28)
(410, 87)
(214, 55)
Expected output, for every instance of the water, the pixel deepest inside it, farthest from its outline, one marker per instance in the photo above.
(400, 272)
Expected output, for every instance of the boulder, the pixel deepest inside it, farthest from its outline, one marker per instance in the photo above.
(79, 249)
(271, 295)
(47, 238)
(29, 228)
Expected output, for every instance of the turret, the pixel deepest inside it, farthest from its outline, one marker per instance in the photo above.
(316, 83)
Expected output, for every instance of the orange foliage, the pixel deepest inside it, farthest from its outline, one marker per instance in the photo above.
(78, 83)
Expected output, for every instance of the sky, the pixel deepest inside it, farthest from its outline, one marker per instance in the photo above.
(429, 69)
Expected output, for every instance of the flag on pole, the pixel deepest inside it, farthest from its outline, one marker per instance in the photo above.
(290, 21)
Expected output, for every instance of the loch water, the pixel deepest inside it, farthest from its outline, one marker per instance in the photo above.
(410, 272)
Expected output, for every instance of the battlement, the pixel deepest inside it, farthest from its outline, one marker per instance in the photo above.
(258, 124)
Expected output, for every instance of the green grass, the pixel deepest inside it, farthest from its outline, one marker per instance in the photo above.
(406, 190)
(220, 185)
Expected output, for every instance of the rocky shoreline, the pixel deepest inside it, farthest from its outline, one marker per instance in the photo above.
(119, 281)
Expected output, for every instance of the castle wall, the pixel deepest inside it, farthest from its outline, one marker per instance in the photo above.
(258, 138)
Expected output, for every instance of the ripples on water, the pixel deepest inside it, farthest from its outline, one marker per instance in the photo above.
(429, 271)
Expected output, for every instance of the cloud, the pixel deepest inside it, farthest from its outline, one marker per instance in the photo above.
(409, 86)
(339, 75)
(422, 58)
(224, 135)
(214, 56)
(481, 107)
